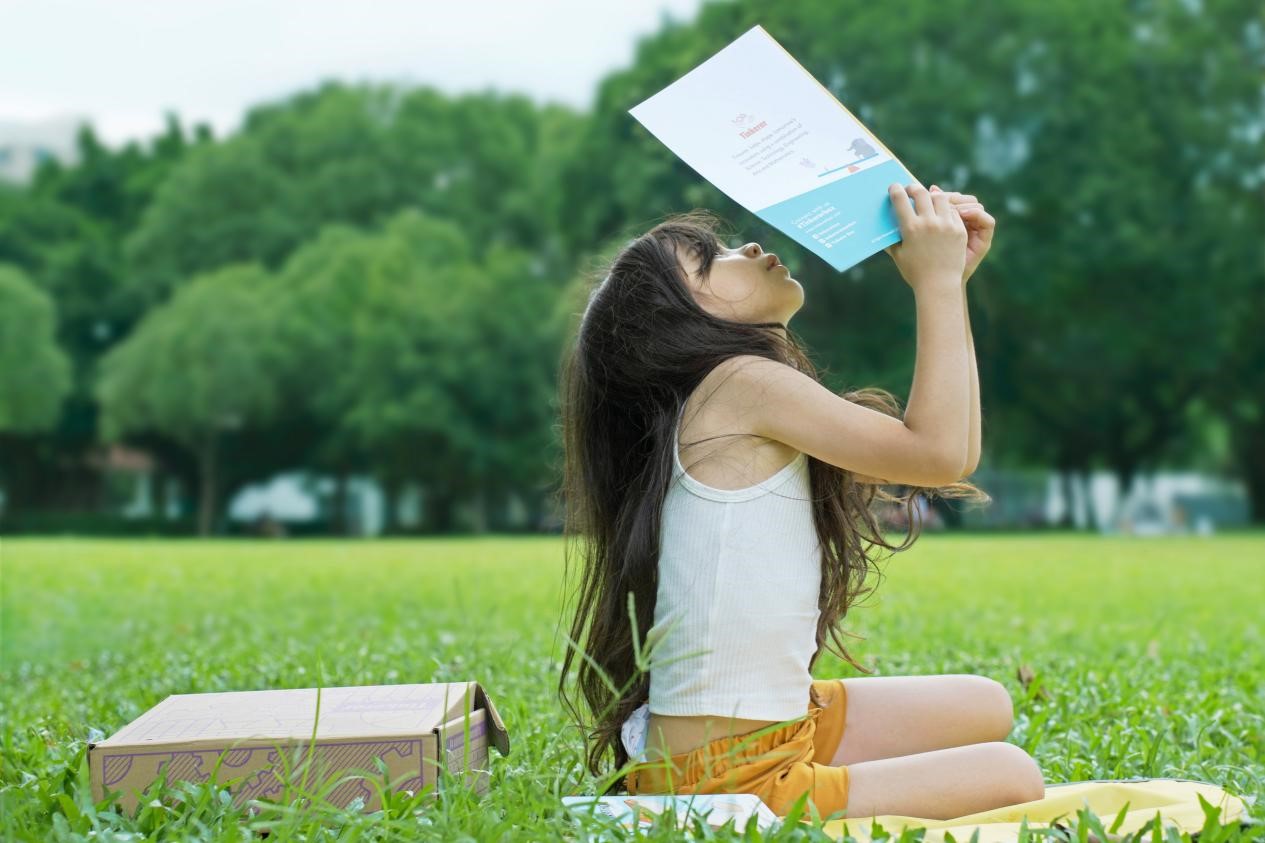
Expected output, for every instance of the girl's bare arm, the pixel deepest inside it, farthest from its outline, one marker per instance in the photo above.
(927, 448)
(974, 438)
(980, 227)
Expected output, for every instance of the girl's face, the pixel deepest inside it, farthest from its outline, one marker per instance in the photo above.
(746, 284)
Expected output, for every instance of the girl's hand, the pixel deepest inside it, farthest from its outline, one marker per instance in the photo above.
(979, 228)
(932, 251)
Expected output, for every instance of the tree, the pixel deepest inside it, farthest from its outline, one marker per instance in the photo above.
(1104, 137)
(355, 155)
(64, 231)
(224, 204)
(421, 361)
(35, 378)
(334, 294)
(34, 371)
(197, 368)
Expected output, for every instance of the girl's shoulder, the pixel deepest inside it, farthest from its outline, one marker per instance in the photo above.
(734, 382)
(717, 443)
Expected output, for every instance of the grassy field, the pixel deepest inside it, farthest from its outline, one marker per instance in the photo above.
(1147, 658)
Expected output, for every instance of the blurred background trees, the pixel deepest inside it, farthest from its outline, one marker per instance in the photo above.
(376, 280)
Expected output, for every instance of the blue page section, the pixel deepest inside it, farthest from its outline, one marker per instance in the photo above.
(846, 221)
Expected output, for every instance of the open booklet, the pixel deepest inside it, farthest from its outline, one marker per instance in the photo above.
(753, 122)
(639, 812)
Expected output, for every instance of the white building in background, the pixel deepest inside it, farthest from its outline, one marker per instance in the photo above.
(1160, 503)
(298, 497)
(285, 497)
(1163, 503)
(25, 145)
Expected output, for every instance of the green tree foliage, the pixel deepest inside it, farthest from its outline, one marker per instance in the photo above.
(64, 230)
(67, 227)
(337, 160)
(422, 361)
(225, 204)
(1108, 140)
(356, 155)
(197, 368)
(34, 371)
(1109, 321)
(410, 250)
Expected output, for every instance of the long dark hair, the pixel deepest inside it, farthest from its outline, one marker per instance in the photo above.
(642, 345)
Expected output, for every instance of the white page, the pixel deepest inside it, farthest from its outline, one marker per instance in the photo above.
(753, 122)
(716, 809)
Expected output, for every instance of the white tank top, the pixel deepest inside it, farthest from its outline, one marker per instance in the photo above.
(739, 576)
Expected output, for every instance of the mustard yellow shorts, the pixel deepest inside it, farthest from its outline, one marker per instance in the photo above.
(779, 766)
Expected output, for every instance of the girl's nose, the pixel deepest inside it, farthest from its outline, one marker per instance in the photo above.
(752, 250)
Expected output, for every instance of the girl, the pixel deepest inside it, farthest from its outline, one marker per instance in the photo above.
(720, 498)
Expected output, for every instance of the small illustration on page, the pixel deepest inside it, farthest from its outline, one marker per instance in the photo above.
(860, 148)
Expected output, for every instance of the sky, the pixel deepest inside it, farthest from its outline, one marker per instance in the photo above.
(122, 63)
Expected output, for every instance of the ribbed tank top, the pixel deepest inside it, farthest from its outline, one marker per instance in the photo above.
(736, 606)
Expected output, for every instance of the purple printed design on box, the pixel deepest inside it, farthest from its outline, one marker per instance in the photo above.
(115, 767)
(339, 759)
(458, 737)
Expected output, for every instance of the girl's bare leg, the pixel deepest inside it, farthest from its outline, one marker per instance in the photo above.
(891, 716)
(944, 783)
(932, 747)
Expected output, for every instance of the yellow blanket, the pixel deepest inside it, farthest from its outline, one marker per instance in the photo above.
(1175, 800)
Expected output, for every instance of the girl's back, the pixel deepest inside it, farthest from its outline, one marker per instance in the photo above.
(739, 579)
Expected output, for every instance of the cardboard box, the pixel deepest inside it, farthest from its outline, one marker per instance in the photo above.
(414, 729)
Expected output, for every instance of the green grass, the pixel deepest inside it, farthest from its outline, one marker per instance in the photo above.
(1149, 651)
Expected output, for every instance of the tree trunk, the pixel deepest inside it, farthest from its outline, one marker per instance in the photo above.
(207, 482)
(1067, 483)
(161, 494)
(535, 510)
(1085, 480)
(390, 498)
(440, 509)
(499, 511)
(390, 506)
(1249, 452)
(481, 505)
(1126, 475)
(338, 506)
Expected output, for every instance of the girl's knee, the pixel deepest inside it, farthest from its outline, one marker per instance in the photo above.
(1020, 773)
(999, 707)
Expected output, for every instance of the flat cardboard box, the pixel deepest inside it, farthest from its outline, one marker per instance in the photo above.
(244, 731)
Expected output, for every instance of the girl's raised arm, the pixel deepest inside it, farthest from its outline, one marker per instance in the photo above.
(785, 404)
(927, 448)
